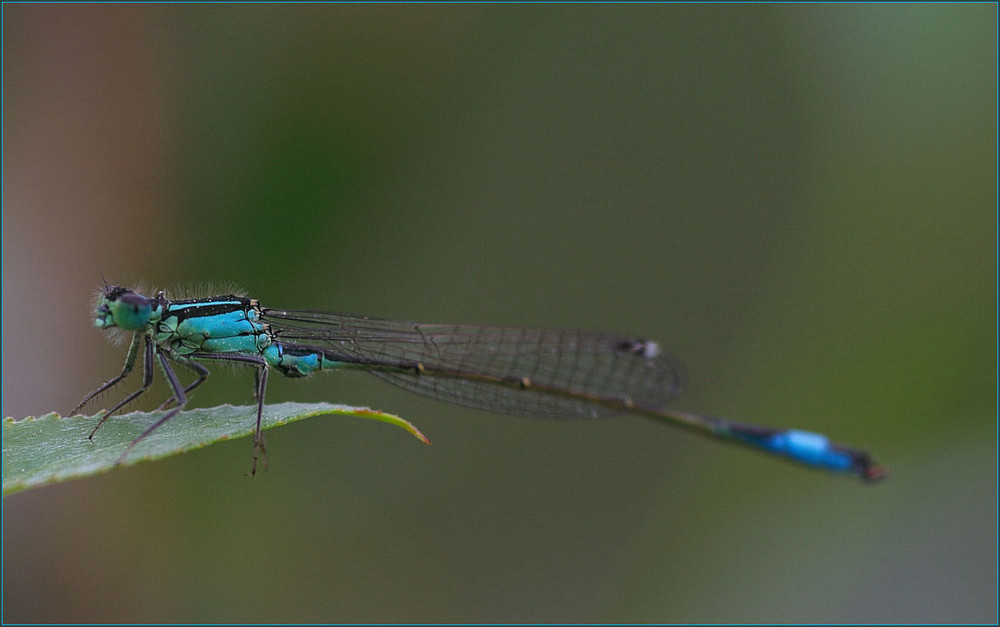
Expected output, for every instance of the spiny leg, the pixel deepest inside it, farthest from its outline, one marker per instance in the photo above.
(259, 444)
(202, 373)
(260, 383)
(133, 351)
(179, 396)
(147, 380)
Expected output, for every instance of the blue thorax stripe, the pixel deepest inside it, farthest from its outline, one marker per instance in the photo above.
(207, 307)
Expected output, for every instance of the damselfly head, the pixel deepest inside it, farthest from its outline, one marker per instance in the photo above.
(122, 308)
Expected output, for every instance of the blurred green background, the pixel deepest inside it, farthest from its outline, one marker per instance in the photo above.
(799, 201)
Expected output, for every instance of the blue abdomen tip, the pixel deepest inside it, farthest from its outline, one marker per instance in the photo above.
(810, 448)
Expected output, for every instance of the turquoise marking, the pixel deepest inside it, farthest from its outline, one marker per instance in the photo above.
(245, 345)
(207, 303)
(212, 326)
(292, 364)
(222, 325)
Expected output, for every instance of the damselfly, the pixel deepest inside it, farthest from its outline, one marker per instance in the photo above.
(527, 372)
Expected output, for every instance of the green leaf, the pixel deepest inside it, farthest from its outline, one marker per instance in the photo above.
(51, 449)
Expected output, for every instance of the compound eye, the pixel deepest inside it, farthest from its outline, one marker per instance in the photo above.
(134, 301)
(131, 311)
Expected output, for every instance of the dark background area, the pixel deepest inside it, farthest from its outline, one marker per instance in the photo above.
(799, 201)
